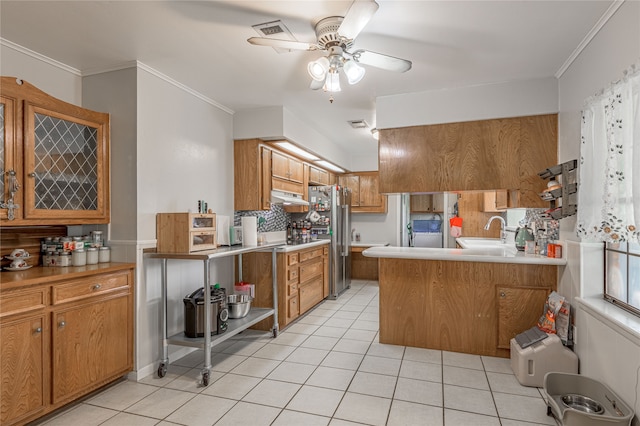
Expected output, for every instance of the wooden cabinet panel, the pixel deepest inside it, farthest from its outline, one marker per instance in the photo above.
(59, 182)
(470, 156)
(311, 254)
(447, 305)
(318, 176)
(90, 343)
(292, 258)
(311, 294)
(293, 310)
(310, 270)
(325, 262)
(279, 165)
(362, 267)
(10, 154)
(23, 368)
(292, 274)
(62, 337)
(519, 309)
(421, 203)
(365, 194)
(94, 286)
(23, 301)
(353, 183)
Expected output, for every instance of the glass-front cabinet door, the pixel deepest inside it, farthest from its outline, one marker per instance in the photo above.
(54, 159)
(66, 164)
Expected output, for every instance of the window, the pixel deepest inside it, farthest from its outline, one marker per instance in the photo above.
(622, 275)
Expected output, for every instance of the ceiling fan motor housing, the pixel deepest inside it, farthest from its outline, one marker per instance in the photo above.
(327, 33)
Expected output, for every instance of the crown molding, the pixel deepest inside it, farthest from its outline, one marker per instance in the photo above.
(39, 56)
(590, 35)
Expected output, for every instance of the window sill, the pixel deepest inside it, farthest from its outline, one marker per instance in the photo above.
(620, 320)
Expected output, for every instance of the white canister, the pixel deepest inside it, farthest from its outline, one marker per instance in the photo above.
(92, 256)
(78, 257)
(104, 255)
(64, 259)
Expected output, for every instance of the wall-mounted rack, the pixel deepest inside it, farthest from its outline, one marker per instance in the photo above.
(566, 192)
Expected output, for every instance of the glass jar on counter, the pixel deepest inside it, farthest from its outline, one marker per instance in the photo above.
(104, 254)
(64, 259)
(78, 257)
(96, 238)
(92, 256)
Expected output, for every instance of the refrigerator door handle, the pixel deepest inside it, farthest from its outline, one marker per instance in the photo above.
(346, 235)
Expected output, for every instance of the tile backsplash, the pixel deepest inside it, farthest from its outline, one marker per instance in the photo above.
(272, 220)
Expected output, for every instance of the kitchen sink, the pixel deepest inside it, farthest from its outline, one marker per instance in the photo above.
(492, 246)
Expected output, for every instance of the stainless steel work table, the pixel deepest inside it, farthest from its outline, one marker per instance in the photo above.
(234, 326)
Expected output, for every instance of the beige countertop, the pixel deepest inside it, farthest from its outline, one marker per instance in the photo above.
(493, 255)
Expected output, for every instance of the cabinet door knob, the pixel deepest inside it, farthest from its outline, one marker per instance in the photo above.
(62, 324)
(38, 330)
(97, 287)
(32, 174)
(503, 294)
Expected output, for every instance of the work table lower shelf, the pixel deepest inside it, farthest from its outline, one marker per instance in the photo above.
(234, 326)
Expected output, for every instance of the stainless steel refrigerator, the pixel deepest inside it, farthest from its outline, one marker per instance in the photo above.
(333, 205)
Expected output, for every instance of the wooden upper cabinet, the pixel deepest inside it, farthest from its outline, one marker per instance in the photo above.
(421, 203)
(365, 194)
(287, 168)
(318, 176)
(58, 154)
(251, 175)
(470, 156)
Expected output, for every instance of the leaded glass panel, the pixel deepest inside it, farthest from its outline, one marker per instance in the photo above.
(66, 174)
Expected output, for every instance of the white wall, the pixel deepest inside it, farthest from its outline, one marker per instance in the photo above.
(607, 352)
(115, 92)
(277, 122)
(510, 99)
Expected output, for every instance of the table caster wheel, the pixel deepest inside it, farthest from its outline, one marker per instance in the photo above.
(162, 370)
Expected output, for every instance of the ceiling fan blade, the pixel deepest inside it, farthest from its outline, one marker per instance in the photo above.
(359, 14)
(315, 84)
(379, 60)
(283, 44)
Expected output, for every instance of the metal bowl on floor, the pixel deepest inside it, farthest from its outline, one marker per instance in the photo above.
(582, 403)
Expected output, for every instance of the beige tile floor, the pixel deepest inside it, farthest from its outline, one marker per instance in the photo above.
(326, 369)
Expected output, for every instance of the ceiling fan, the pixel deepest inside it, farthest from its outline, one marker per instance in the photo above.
(336, 35)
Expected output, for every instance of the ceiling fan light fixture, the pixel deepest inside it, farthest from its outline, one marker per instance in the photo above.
(354, 72)
(318, 69)
(332, 83)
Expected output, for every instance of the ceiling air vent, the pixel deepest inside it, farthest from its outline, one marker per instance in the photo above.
(276, 30)
(358, 124)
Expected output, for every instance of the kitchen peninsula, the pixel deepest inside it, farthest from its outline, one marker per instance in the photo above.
(461, 300)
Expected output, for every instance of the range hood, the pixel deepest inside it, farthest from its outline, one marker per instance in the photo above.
(287, 198)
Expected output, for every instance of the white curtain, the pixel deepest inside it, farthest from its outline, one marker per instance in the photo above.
(609, 179)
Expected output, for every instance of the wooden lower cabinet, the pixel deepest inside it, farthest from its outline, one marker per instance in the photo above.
(458, 306)
(63, 337)
(23, 361)
(362, 267)
(302, 277)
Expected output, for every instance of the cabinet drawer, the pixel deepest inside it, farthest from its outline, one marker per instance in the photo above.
(310, 270)
(310, 294)
(292, 289)
(292, 308)
(23, 301)
(89, 287)
(311, 254)
(292, 259)
(292, 275)
(202, 240)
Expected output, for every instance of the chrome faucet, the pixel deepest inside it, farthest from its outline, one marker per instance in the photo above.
(503, 233)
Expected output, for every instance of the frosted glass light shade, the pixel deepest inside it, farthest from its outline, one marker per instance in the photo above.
(353, 71)
(332, 83)
(318, 69)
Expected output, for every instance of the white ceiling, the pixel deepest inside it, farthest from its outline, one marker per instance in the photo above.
(202, 44)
